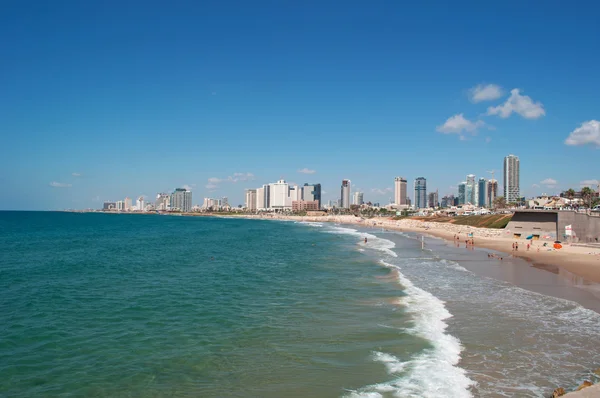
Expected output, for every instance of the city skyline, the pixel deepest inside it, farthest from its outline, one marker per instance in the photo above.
(97, 110)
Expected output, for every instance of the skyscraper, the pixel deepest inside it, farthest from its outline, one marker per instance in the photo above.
(492, 192)
(357, 198)
(420, 193)
(399, 191)
(345, 194)
(279, 194)
(511, 179)
(462, 191)
(482, 196)
(181, 199)
(127, 204)
(433, 199)
(163, 201)
(311, 192)
(470, 196)
(250, 199)
(140, 204)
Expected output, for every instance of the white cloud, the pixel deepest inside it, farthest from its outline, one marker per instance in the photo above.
(521, 104)
(236, 177)
(488, 92)
(383, 191)
(76, 174)
(188, 187)
(589, 183)
(307, 171)
(535, 186)
(60, 184)
(549, 182)
(587, 133)
(457, 124)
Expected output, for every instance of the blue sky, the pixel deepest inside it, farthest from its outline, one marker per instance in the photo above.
(102, 100)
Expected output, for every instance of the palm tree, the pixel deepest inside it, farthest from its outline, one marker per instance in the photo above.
(586, 194)
(499, 202)
(570, 193)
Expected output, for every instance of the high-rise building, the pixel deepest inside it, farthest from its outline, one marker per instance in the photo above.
(420, 193)
(312, 192)
(432, 200)
(120, 205)
(357, 198)
(512, 192)
(492, 192)
(109, 206)
(447, 201)
(279, 195)
(163, 201)
(127, 204)
(345, 194)
(470, 190)
(400, 191)
(263, 197)
(140, 204)
(462, 193)
(181, 199)
(250, 199)
(482, 195)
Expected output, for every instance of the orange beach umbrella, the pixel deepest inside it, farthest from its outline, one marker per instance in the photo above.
(557, 246)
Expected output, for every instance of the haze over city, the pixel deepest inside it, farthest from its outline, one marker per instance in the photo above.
(100, 102)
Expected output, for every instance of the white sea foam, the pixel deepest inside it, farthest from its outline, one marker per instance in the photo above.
(434, 371)
(374, 242)
(311, 224)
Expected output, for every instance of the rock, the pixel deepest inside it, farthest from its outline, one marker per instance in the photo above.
(559, 392)
(584, 385)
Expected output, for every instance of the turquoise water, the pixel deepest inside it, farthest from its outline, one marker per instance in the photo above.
(101, 305)
(133, 305)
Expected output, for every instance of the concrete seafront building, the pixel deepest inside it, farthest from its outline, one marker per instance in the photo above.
(311, 192)
(400, 191)
(345, 194)
(305, 205)
(279, 195)
(512, 192)
(358, 198)
(127, 204)
(420, 193)
(251, 199)
(482, 195)
(181, 199)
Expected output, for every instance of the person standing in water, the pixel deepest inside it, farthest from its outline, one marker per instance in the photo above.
(365, 239)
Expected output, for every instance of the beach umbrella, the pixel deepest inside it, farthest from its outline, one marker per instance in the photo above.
(557, 241)
(529, 237)
(557, 246)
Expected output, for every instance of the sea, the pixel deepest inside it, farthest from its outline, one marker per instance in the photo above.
(114, 305)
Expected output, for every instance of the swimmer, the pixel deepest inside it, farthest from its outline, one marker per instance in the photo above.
(365, 240)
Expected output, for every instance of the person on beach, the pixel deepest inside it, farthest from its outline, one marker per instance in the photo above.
(528, 247)
(516, 246)
(365, 239)
(513, 247)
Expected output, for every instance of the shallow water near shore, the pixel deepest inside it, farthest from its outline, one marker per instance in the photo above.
(118, 305)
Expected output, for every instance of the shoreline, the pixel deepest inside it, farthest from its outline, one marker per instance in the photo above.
(581, 261)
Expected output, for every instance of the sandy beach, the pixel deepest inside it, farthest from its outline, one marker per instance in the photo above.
(578, 260)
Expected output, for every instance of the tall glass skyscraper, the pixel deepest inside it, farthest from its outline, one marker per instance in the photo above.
(462, 188)
(512, 192)
(345, 194)
(312, 192)
(420, 193)
(482, 195)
